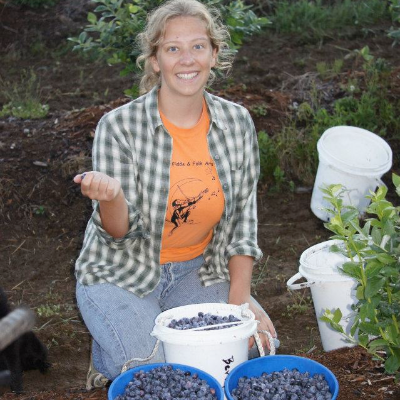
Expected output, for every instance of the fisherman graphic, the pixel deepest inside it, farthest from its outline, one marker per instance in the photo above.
(182, 205)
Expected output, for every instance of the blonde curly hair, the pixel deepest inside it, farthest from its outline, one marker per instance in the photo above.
(152, 36)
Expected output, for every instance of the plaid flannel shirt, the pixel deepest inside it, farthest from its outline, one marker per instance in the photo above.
(132, 145)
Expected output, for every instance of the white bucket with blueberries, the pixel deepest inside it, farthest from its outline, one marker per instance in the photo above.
(211, 336)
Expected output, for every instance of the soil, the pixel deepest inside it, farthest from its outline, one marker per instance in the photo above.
(43, 215)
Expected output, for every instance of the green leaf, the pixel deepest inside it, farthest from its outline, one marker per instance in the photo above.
(335, 248)
(377, 343)
(92, 18)
(367, 312)
(391, 333)
(390, 272)
(352, 269)
(350, 215)
(376, 235)
(385, 258)
(373, 268)
(337, 315)
(392, 364)
(380, 194)
(82, 36)
(369, 328)
(389, 228)
(396, 179)
(360, 292)
(363, 339)
(133, 9)
(373, 286)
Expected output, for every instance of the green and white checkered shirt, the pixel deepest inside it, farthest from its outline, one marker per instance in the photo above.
(132, 145)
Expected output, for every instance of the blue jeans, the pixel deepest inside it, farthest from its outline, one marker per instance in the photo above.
(120, 322)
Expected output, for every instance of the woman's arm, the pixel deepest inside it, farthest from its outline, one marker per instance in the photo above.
(113, 206)
(240, 271)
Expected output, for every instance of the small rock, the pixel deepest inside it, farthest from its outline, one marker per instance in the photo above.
(40, 164)
(303, 189)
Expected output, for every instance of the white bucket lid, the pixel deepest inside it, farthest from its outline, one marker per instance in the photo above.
(355, 150)
(320, 264)
(210, 337)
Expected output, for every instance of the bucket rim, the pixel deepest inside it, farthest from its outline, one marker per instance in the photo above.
(285, 359)
(148, 367)
(375, 171)
(318, 274)
(175, 336)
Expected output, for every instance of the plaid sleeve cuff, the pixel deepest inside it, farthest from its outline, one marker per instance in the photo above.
(244, 248)
(135, 228)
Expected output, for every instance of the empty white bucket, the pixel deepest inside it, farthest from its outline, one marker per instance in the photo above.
(214, 351)
(330, 289)
(353, 157)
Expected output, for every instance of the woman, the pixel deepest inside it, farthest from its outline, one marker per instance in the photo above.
(174, 186)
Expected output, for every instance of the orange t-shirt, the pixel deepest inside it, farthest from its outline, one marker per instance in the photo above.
(196, 200)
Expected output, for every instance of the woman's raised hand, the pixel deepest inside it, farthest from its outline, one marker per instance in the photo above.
(98, 186)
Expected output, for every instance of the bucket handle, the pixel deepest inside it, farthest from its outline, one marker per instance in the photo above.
(296, 286)
(380, 182)
(259, 344)
(125, 367)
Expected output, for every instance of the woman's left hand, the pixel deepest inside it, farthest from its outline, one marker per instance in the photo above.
(264, 325)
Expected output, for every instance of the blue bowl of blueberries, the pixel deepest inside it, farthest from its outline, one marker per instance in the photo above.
(166, 381)
(281, 377)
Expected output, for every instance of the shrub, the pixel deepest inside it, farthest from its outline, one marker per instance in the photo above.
(367, 105)
(35, 3)
(23, 99)
(394, 8)
(312, 21)
(373, 250)
(114, 25)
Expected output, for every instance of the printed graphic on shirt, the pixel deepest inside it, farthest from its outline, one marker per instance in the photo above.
(183, 203)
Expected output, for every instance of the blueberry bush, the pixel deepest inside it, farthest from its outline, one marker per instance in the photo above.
(373, 248)
(114, 25)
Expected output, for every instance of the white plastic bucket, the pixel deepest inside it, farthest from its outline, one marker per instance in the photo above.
(330, 289)
(353, 157)
(214, 351)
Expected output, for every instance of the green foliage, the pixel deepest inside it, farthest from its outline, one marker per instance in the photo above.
(373, 250)
(23, 99)
(367, 104)
(394, 32)
(114, 25)
(289, 154)
(35, 3)
(312, 20)
(268, 155)
(49, 310)
(259, 110)
(327, 72)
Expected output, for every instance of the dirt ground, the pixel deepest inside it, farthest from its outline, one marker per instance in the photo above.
(43, 215)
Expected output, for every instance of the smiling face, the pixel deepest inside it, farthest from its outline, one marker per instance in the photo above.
(184, 58)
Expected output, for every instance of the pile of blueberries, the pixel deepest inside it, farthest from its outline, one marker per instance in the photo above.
(203, 320)
(166, 383)
(283, 385)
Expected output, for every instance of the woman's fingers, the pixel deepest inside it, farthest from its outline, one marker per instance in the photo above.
(98, 186)
(264, 325)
